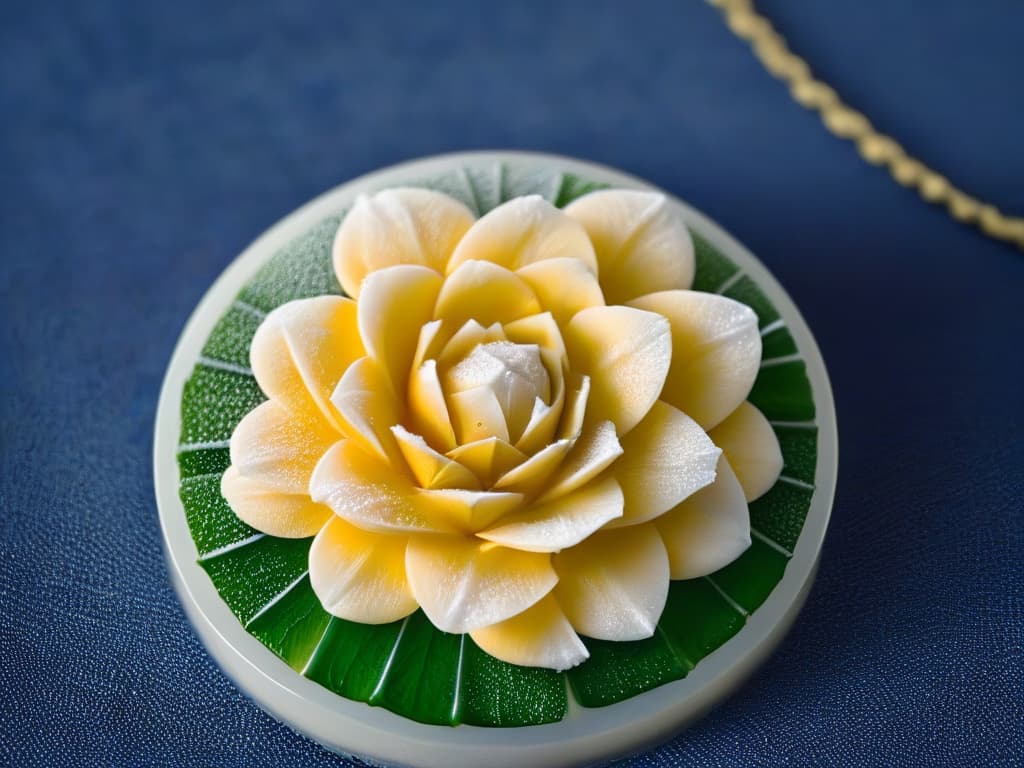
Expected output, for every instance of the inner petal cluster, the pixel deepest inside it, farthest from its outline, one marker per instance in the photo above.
(510, 376)
(491, 398)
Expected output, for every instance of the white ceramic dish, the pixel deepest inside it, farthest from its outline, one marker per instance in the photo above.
(585, 736)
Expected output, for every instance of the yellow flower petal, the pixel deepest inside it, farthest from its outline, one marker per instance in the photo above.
(366, 402)
(369, 493)
(540, 636)
(464, 585)
(428, 410)
(522, 231)
(541, 330)
(641, 241)
(278, 447)
(392, 301)
(397, 226)
(626, 352)
(613, 586)
(485, 292)
(750, 444)
(546, 412)
(563, 286)
(540, 430)
(360, 576)
(561, 523)
(594, 451)
(289, 515)
(468, 511)
(575, 408)
(529, 476)
(464, 340)
(666, 458)
(488, 459)
(709, 530)
(716, 352)
(429, 343)
(302, 348)
(477, 415)
(432, 469)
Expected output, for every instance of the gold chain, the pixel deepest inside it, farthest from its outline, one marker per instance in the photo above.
(847, 123)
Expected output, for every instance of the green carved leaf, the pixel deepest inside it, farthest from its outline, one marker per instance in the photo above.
(713, 269)
(423, 673)
(783, 393)
(352, 658)
(410, 667)
(494, 693)
(617, 671)
(253, 574)
(292, 625)
(213, 524)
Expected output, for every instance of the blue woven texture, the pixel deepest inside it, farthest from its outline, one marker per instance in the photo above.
(143, 145)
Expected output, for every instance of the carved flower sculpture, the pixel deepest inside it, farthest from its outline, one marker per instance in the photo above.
(525, 424)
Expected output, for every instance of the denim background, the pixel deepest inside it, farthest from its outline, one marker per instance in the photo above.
(143, 145)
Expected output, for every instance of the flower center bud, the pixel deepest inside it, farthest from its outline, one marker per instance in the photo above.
(500, 374)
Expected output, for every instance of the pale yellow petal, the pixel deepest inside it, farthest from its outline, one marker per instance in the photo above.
(562, 523)
(428, 409)
(392, 301)
(368, 407)
(429, 343)
(556, 365)
(716, 352)
(546, 412)
(522, 231)
(279, 447)
(289, 515)
(709, 530)
(477, 415)
(463, 584)
(432, 469)
(302, 348)
(594, 451)
(753, 451)
(626, 352)
(541, 330)
(540, 429)
(485, 292)
(360, 576)
(641, 242)
(540, 636)
(397, 226)
(464, 340)
(370, 494)
(563, 286)
(530, 476)
(575, 408)
(468, 511)
(613, 586)
(666, 458)
(488, 458)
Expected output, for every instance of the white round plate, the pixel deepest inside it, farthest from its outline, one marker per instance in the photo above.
(585, 736)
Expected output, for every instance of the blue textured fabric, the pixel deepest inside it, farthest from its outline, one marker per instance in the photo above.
(143, 145)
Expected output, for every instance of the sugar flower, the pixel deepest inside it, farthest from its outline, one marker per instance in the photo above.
(524, 424)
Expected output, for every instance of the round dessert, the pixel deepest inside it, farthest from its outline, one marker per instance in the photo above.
(493, 457)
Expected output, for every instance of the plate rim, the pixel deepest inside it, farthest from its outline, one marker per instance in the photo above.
(378, 735)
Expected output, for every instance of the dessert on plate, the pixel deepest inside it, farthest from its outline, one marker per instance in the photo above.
(492, 443)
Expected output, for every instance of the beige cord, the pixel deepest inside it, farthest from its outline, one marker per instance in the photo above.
(847, 123)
